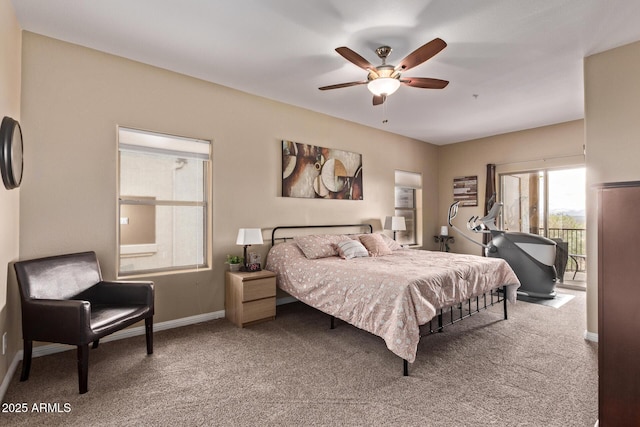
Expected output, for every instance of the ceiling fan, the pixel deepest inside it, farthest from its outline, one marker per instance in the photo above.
(385, 79)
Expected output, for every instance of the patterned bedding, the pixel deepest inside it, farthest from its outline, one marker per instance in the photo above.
(391, 295)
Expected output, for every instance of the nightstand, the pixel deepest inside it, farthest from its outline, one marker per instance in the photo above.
(250, 297)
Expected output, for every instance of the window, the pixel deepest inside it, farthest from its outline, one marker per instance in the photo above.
(163, 202)
(408, 201)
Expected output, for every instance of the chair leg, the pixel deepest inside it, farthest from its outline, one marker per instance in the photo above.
(148, 326)
(83, 367)
(95, 344)
(26, 360)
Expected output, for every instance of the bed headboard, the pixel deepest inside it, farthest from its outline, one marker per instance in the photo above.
(352, 227)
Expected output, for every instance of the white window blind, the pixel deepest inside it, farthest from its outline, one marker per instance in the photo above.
(163, 202)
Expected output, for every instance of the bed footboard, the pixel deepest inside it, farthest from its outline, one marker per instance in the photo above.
(468, 308)
(461, 311)
(457, 313)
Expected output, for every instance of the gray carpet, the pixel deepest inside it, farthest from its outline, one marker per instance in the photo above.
(534, 369)
(557, 302)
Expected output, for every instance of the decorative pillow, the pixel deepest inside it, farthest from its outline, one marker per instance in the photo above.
(375, 244)
(393, 245)
(348, 249)
(319, 245)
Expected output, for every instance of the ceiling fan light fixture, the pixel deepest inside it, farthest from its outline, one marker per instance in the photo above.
(383, 86)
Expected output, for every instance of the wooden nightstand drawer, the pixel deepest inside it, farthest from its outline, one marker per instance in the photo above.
(259, 288)
(250, 297)
(258, 310)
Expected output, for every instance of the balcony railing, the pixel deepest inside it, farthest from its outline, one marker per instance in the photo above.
(576, 240)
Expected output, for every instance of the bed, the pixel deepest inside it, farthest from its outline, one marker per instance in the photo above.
(397, 294)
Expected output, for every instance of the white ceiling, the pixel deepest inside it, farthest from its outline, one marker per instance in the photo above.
(512, 64)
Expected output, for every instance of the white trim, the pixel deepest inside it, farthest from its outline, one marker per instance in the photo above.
(7, 378)
(147, 249)
(44, 350)
(47, 349)
(590, 336)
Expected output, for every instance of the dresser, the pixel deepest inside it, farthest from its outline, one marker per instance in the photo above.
(618, 304)
(250, 297)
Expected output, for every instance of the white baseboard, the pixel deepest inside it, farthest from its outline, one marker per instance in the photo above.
(590, 336)
(47, 349)
(7, 378)
(44, 350)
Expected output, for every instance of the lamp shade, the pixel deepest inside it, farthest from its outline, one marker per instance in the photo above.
(395, 223)
(383, 86)
(249, 236)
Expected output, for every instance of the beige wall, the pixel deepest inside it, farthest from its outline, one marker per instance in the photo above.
(10, 51)
(548, 147)
(612, 111)
(554, 146)
(74, 97)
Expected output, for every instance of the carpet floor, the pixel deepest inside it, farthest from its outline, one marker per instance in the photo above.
(534, 369)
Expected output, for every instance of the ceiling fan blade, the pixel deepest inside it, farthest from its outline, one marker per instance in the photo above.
(379, 99)
(424, 82)
(340, 85)
(356, 59)
(421, 54)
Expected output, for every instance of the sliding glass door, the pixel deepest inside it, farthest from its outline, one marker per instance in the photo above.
(550, 203)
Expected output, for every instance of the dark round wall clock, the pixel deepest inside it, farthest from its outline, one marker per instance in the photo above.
(11, 153)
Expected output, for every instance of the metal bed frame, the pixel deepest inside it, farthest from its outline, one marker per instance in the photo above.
(293, 227)
(496, 296)
(446, 316)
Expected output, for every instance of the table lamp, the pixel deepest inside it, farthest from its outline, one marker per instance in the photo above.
(248, 237)
(395, 223)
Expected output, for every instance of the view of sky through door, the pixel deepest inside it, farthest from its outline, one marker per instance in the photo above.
(567, 193)
(550, 203)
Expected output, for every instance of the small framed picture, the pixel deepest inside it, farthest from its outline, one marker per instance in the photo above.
(254, 258)
(254, 266)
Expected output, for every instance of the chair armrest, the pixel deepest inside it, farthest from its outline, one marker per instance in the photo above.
(63, 321)
(123, 292)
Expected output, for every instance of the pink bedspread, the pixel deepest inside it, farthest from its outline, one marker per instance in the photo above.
(389, 296)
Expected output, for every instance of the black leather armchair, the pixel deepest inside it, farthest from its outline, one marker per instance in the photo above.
(64, 300)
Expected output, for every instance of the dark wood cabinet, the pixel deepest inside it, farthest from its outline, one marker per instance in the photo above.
(619, 304)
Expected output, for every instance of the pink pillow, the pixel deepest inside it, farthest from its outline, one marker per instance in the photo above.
(319, 245)
(375, 244)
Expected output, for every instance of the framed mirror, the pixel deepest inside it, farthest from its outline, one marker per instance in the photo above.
(11, 153)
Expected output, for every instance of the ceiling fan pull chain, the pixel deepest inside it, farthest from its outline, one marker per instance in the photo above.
(384, 113)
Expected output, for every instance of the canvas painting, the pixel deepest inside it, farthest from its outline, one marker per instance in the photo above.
(465, 190)
(309, 171)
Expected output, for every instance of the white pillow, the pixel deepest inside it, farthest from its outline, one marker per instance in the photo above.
(348, 249)
(393, 245)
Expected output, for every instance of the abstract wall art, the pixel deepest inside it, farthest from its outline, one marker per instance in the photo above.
(309, 171)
